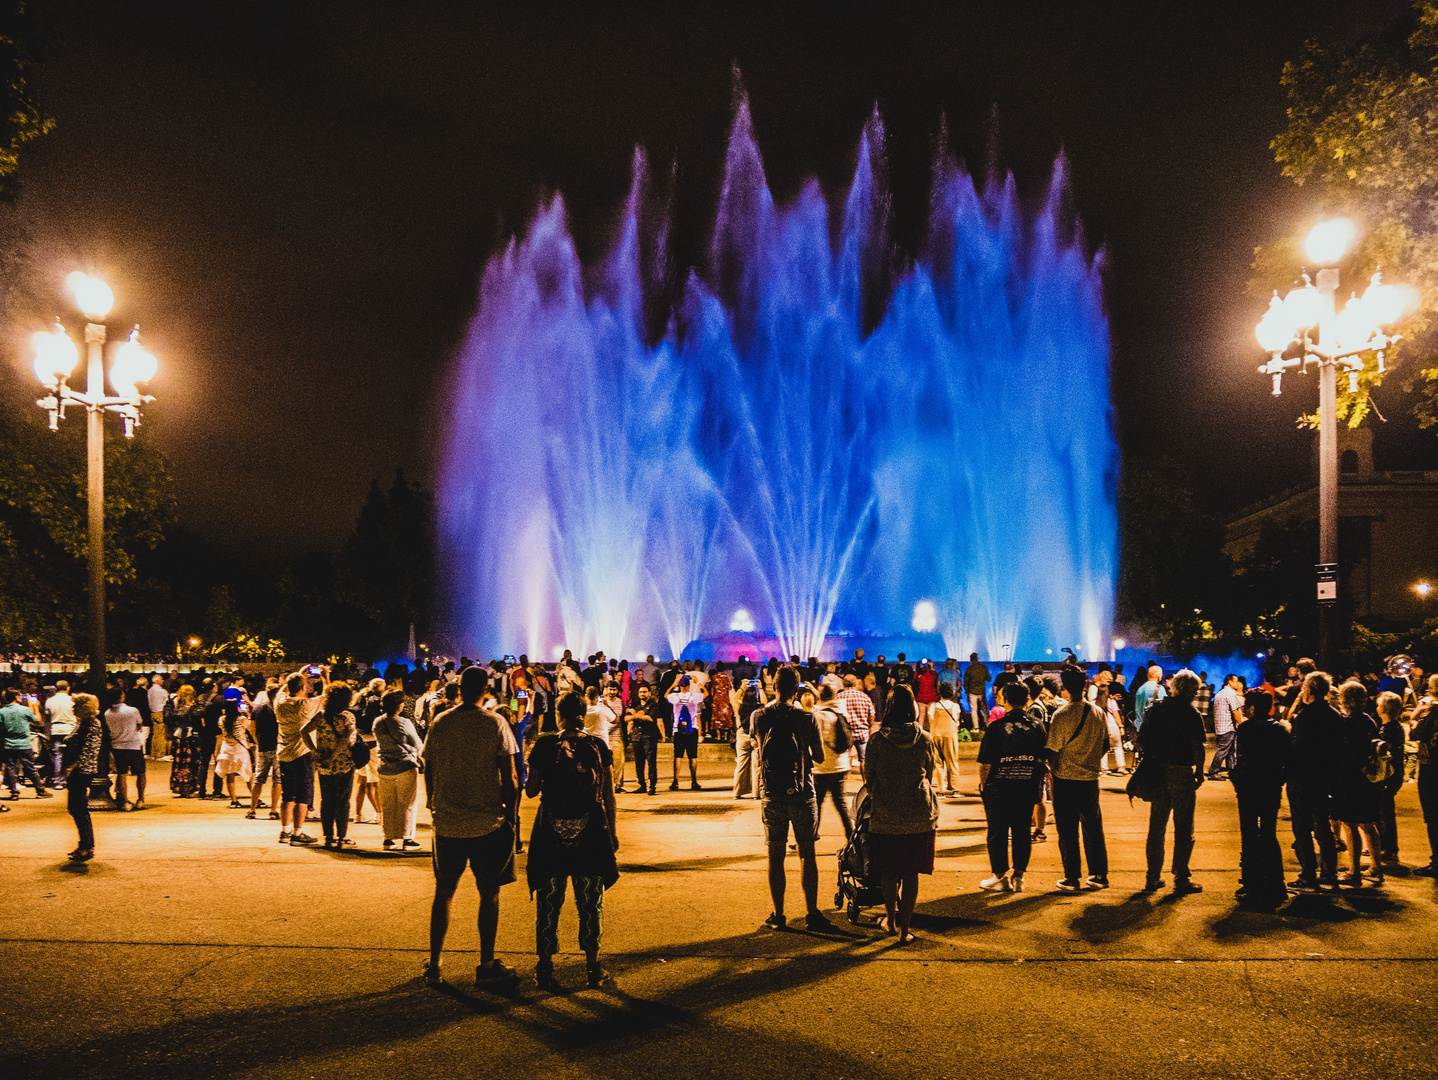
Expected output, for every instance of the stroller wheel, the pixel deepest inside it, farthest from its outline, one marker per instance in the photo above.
(839, 899)
(853, 913)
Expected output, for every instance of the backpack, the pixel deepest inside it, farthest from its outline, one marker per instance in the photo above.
(781, 761)
(1378, 766)
(571, 787)
(842, 737)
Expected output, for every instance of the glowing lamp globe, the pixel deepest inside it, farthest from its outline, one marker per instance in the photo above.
(92, 296)
(132, 365)
(1385, 303)
(926, 616)
(1119, 644)
(55, 355)
(1303, 307)
(1274, 330)
(1355, 325)
(1423, 589)
(1328, 241)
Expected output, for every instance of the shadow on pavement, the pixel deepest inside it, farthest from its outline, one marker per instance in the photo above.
(1100, 923)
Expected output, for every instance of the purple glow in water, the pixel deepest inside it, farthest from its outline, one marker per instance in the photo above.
(771, 453)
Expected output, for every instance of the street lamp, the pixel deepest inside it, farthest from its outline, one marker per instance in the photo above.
(1340, 341)
(55, 359)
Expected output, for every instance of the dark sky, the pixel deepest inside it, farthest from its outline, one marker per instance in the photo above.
(295, 200)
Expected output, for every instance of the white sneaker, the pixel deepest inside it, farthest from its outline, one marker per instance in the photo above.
(1016, 883)
(995, 884)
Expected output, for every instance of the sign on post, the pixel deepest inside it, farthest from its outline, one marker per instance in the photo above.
(1327, 584)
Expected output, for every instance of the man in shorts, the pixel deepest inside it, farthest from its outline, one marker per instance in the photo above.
(794, 730)
(298, 706)
(265, 729)
(127, 749)
(473, 796)
(687, 702)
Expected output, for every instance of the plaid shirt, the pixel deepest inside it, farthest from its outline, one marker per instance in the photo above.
(1203, 701)
(860, 709)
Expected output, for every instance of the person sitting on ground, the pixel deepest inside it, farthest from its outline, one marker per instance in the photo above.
(1011, 771)
(573, 836)
(789, 745)
(904, 814)
(470, 779)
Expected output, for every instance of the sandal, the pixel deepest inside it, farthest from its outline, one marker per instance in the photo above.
(250, 816)
(345, 842)
(274, 816)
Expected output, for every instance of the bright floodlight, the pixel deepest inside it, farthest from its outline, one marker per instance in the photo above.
(1328, 241)
(132, 365)
(1119, 644)
(1303, 307)
(742, 622)
(1275, 331)
(55, 354)
(1423, 588)
(926, 616)
(1385, 304)
(92, 296)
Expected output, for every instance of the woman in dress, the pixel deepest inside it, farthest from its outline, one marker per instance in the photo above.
(573, 837)
(81, 761)
(330, 735)
(904, 815)
(398, 766)
(232, 760)
(1359, 805)
(722, 692)
(187, 771)
(1011, 771)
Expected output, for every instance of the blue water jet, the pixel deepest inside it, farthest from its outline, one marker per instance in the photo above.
(770, 451)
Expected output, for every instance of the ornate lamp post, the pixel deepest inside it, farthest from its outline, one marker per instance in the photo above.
(1308, 317)
(55, 360)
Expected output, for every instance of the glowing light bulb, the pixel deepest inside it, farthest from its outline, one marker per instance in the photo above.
(1119, 644)
(132, 365)
(1354, 325)
(1275, 329)
(1385, 304)
(1328, 241)
(55, 354)
(1303, 307)
(926, 616)
(1423, 589)
(92, 296)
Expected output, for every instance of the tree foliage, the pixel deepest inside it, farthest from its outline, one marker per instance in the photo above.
(21, 118)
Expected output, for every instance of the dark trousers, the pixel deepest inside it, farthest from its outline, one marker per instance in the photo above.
(207, 754)
(1010, 817)
(1075, 806)
(646, 758)
(1225, 753)
(1308, 807)
(1388, 822)
(832, 785)
(1260, 860)
(335, 791)
(77, 801)
(1428, 800)
(1175, 796)
(18, 764)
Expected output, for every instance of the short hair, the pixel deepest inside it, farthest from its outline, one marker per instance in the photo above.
(973, 657)
(294, 684)
(1229, 678)
(1185, 685)
(1306, 667)
(570, 709)
(1016, 694)
(9, 695)
(1155, 672)
(62, 686)
(1317, 684)
(826, 692)
(786, 682)
(591, 693)
(1259, 702)
(1389, 704)
(1074, 681)
(1353, 695)
(852, 681)
(473, 682)
(946, 691)
(392, 701)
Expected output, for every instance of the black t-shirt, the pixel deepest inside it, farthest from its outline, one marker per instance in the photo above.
(1013, 749)
(267, 728)
(1264, 750)
(642, 722)
(1171, 730)
(781, 718)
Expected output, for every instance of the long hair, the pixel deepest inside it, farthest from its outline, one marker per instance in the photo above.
(900, 709)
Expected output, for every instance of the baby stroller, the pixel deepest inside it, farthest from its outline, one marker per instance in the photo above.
(858, 888)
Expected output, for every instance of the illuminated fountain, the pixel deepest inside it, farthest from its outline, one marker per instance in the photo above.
(774, 469)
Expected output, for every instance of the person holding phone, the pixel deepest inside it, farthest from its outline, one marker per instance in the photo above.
(618, 731)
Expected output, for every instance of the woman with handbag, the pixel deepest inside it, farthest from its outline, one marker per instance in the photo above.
(232, 760)
(904, 817)
(187, 770)
(1359, 805)
(81, 762)
(399, 747)
(331, 737)
(573, 837)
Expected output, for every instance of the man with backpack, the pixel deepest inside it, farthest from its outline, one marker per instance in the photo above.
(687, 701)
(789, 745)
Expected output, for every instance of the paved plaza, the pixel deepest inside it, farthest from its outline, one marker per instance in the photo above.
(196, 946)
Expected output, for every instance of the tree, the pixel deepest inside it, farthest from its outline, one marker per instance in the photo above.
(1363, 129)
(21, 119)
(387, 569)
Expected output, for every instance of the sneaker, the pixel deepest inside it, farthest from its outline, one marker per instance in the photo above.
(409, 845)
(653, 791)
(596, 975)
(1016, 883)
(1096, 881)
(1069, 885)
(998, 883)
(284, 836)
(389, 845)
(1303, 885)
(544, 977)
(776, 922)
(1186, 887)
(43, 794)
(674, 786)
(1426, 871)
(496, 971)
(1153, 884)
(695, 787)
(299, 839)
(1038, 837)
(817, 922)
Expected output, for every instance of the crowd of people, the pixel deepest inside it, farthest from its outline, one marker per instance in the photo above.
(478, 739)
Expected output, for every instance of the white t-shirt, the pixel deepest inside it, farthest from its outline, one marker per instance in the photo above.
(158, 696)
(826, 717)
(61, 710)
(598, 719)
(124, 722)
(686, 703)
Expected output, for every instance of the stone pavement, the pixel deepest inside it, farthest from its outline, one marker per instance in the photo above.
(196, 946)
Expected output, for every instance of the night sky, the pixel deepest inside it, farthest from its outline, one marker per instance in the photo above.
(295, 200)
